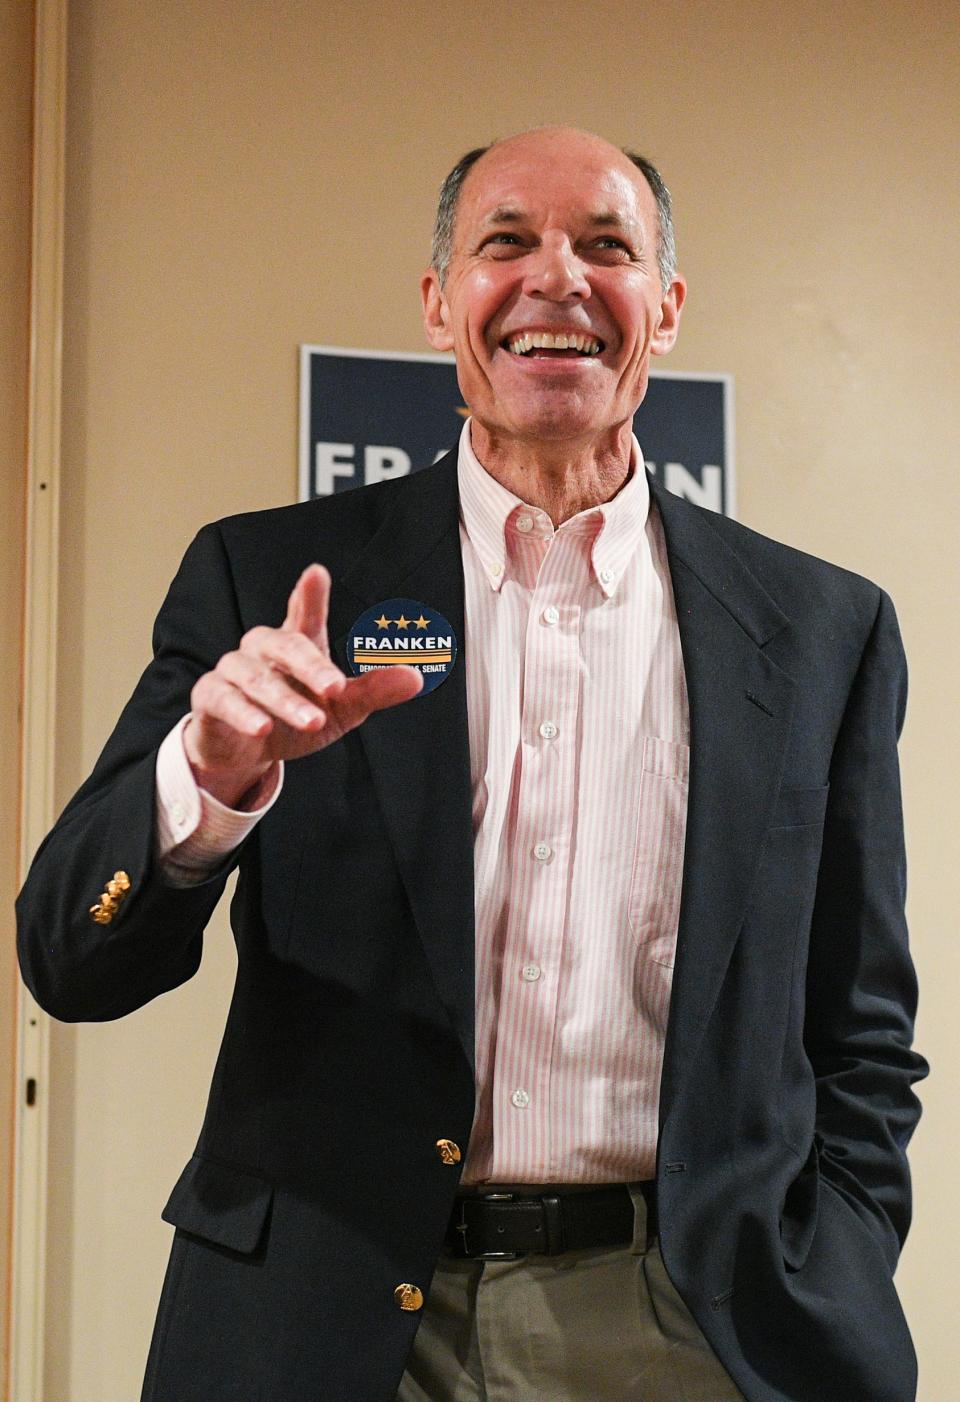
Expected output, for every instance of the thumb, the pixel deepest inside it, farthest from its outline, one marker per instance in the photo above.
(307, 606)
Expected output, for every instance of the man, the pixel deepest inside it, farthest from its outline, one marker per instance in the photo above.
(569, 1056)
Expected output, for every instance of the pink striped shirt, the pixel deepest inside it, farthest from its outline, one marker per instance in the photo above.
(579, 751)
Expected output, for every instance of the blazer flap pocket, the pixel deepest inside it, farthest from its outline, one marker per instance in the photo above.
(221, 1203)
(794, 807)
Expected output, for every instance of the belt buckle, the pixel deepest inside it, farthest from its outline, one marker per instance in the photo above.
(462, 1228)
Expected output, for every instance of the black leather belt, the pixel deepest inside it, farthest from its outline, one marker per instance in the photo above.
(501, 1226)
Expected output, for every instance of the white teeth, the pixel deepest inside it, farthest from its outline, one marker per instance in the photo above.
(547, 340)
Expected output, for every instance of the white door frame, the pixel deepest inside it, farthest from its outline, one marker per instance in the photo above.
(27, 1294)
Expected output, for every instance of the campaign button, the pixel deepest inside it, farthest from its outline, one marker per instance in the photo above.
(403, 632)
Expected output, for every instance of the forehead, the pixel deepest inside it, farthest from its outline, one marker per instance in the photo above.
(554, 179)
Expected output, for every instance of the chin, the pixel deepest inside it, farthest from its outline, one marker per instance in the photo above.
(548, 415)
(555, 422)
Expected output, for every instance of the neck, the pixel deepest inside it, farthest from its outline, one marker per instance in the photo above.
(561, 477)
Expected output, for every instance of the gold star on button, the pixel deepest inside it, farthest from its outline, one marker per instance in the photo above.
(382, 621)
(422, 622)
(402, 622)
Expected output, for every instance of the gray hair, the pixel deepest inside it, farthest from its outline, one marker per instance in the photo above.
(451, 189)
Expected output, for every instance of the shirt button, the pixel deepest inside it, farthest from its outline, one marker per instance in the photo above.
(550, 616)
(496, 568)
(530, 973)
(178, 814)
(548, 730)
(520, 1099)
(606, 576)
(525, 524)
(543, 851)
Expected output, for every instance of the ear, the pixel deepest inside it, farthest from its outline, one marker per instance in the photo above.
(669, 324)
(436, 313)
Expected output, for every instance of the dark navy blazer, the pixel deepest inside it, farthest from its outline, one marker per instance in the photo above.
(316, 1188)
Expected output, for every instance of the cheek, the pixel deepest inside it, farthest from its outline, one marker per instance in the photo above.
(635, 314)
(636, 369)
(485, 281)
(480, 299)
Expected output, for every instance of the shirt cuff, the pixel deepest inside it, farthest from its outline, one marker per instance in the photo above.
(195, 832)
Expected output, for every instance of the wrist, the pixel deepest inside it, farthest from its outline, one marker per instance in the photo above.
(241, 790)
(236, 787)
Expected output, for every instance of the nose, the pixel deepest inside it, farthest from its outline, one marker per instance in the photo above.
(554, 271)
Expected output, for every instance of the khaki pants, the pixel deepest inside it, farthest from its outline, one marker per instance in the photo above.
(602, 1325)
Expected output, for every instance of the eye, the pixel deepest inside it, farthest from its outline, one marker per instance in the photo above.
(609, 243)
(502, 244)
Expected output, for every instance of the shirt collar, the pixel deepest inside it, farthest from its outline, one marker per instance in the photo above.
(486, 507)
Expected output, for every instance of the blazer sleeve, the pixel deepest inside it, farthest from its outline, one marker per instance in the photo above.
(77, 969)
(861, 986)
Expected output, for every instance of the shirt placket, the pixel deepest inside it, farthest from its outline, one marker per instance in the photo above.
(541, 861)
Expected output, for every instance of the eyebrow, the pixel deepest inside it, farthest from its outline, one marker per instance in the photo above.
(507, 214)
(608, 217)
(504, 214)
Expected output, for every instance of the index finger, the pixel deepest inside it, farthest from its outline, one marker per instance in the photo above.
(308, 605)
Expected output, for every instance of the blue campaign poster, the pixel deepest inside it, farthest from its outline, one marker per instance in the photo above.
(369, 415)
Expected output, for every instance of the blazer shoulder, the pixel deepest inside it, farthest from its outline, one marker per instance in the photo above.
(802, 584)
(336, 525)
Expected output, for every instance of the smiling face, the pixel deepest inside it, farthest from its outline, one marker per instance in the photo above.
(552, 301)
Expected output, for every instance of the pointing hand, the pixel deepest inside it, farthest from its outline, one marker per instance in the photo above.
(279, 696)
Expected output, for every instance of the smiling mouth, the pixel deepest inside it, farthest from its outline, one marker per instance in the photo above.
(553, 345)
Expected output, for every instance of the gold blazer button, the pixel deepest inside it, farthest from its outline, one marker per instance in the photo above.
(409, 1297)
(117, 888)
(448, 1151)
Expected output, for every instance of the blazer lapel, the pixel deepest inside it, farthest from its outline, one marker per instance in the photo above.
(740, 709)
(419, 753)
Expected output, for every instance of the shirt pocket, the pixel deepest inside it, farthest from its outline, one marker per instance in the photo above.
(654, 900)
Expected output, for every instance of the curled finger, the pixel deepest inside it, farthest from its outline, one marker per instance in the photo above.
(271, 690)
(214, 699)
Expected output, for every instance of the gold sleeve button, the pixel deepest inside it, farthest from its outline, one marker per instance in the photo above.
(448, 1151)
(409, 1297)
(109, 902)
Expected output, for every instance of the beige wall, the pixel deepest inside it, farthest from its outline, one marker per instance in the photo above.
(243, 177)
(16, 60)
